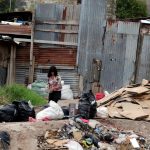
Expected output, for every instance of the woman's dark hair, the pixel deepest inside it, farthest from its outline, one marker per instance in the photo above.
(52, 69)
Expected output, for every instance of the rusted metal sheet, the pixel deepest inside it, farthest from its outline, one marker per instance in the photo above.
(143, 71)
(58, 21)
(62, 56)
(45, 57)
(15, 30)
(72, 13)
(91, 33)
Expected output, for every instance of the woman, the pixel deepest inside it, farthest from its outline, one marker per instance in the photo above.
(54, 81)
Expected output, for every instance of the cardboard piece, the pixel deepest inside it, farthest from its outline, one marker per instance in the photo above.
(133, 111)
(56, 142)
(145, 82)
(110, 97)
(138, 90)
(145, 104)
(114, 112)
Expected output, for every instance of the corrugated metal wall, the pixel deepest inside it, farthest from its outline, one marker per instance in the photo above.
(43, 57)
(47, 12)
(91, 32)
(115, 44)
(49, 26)
(119, 54)
(143, 71)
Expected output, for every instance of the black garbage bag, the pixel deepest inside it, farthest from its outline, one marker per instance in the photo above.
(4, 140)
(24, 110)
(8, 113)
(65, 110)
(87, 106)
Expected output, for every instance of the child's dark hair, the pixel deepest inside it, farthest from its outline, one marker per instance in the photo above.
(52, 69)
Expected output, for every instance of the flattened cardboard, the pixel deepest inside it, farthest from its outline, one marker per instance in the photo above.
(133, 111)
(138, 90)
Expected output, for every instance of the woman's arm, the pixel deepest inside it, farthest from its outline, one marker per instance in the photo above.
(58, 86)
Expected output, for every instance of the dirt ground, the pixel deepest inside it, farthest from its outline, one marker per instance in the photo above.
(24, 135)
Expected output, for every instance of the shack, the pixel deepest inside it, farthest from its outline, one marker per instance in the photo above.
(10, 28)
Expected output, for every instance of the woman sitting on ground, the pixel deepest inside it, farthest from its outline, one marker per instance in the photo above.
(54, 81)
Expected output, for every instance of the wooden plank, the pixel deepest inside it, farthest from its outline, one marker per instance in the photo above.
(31, 72)
(14, 63)
(58, 31)
(47, 42)
(69, 22)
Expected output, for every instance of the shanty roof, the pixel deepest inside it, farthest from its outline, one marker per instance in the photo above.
(15, 23)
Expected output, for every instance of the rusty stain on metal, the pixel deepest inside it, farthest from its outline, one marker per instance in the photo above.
(62, 36)
(15, 30)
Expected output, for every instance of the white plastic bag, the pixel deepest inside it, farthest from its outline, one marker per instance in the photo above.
(102, 112)
(93, 123)
(73, 145)
(66, 93)
(54, 112)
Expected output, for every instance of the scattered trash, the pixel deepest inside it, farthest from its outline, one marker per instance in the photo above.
(93, 123)
(39, 87)
(73, 145)
(8, 113)
(99, 96)
(134, 143)
(53, 112)
(73, 109)
(66, 93)
(4, 140)
(87, 106)
(102, 112)
(80, 134)
(16, 112)
(25, 110)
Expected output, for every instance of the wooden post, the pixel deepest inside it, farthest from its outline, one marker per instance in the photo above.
(14, 63)
(31, 66)
(11, 66)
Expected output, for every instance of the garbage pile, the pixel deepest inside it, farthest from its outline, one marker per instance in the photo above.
(39, 87)
(131, 102)
(16, 112)
(81, 134)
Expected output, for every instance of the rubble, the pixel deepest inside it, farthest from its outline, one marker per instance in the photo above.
(96, 137)
(131, 102)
